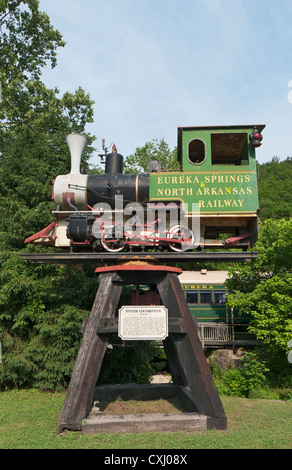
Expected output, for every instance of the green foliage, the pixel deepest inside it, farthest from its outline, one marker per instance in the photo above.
(28, 41)
(41, 307)
(252, 424)
(261, 374)
(154, 150)
(275, 189)
(128, 362)
(254, 371)
(242, 381)
(41, 311)
(263, 288)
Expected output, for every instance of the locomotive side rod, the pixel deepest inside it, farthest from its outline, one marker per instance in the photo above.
(80, 258)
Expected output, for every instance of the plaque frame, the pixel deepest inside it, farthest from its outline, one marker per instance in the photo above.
(142, 311)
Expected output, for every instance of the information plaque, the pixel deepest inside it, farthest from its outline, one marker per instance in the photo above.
(143, 323)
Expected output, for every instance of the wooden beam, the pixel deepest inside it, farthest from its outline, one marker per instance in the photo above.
(89, 360)
(96, 258)
(186, 350)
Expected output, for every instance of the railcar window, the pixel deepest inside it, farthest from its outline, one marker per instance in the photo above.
(220, 298)
(197, 152)
(206, 297)
(229, 149)
(192, 297)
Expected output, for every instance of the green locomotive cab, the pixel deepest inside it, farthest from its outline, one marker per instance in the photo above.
(217, 183)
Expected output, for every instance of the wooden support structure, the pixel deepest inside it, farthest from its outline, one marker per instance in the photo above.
(186, 358)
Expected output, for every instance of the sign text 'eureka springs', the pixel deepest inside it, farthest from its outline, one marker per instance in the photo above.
(211, 191)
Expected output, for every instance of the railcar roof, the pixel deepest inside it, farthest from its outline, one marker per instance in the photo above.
(203, 276)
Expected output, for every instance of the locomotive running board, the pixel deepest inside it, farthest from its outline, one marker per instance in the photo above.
(94, 258)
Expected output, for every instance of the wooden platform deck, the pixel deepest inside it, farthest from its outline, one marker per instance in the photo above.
(189, 420)
(95, 258)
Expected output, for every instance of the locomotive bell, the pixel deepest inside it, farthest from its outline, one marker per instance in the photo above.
(76, 143)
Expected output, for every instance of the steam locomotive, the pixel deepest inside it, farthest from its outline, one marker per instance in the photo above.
(216, 186)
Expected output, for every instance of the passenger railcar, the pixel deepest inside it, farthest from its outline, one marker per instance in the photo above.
(219, 325)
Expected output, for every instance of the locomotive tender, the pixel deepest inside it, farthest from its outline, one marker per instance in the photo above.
(217, 183)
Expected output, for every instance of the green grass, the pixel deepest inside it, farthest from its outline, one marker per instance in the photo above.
(29, 420)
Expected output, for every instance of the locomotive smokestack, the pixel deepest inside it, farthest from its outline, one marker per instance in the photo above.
(76, 143)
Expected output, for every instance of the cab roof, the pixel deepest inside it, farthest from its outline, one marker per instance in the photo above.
(231, 128)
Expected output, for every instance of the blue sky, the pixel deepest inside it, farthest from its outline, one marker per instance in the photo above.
(154, 65)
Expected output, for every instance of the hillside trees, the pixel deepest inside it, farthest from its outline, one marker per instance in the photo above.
(41, 307)
(263, 288)
(275, 189)
(34, 120)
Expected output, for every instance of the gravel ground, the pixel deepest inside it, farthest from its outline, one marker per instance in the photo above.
(161, 379)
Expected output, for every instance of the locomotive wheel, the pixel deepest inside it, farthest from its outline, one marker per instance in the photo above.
(180, 232)
(111, 244)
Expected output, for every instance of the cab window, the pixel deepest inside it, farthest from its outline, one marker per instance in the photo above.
(229, 149)
(196, 151)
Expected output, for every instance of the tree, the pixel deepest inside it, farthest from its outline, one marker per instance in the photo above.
(34, 121)
(41, 307)
(28, 41)
(264, 288)
(154, 150)
(275, 189)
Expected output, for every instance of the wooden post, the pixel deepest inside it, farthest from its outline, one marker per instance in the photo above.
(89, 360)
(186, 350)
